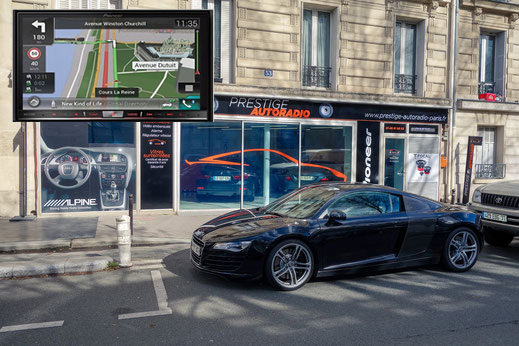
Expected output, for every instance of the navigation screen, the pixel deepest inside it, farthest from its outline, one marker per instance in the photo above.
(116, 65)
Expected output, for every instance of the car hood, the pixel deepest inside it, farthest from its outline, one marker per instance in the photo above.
(240, 224)
(508, 188)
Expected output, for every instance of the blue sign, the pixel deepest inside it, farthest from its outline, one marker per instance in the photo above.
(268, 73)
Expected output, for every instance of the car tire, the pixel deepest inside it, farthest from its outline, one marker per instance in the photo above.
(497, 238)
(461, 250)
(286, 272)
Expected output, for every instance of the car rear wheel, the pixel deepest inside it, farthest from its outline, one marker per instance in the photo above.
(461, 250)
(289, 265)
(497, 238)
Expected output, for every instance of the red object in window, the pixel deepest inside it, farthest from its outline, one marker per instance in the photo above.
(200, 187)
(487, 96)
(288, 178)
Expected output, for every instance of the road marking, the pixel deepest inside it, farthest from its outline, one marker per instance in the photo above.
(146, 314)
(160, 84)
(162, 300)
(149, 266)
(31, 326)
(160, 290)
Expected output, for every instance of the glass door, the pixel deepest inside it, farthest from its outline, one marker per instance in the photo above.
(394, 163)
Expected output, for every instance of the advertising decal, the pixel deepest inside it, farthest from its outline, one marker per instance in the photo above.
(289, 108)
(156, 165)
(368, 136)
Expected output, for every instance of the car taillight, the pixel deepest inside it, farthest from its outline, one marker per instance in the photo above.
(245, 176)
(288, 178)
(324, 179)
(205, 177)
(236, 177)
(200, 187)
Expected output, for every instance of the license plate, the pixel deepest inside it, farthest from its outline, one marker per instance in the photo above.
(195, 248)
(307, 177)
(495, 217)
(222, 178)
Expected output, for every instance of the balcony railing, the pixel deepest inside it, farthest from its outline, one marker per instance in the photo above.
(405, 83)
(317, 76)
(486, 87)
(491, 171)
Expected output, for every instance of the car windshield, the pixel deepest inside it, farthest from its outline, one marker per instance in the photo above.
(303, 204)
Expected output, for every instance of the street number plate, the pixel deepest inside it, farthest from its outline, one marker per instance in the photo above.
(222, 178)
(495, 217)
(196, 249)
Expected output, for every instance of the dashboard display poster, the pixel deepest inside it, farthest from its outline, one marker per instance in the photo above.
(87, 166)
(156, 165)
(113, 65)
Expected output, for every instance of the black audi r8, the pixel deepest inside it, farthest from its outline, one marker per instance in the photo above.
(337, 228)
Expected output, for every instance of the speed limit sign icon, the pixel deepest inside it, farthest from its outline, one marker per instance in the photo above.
(34, 53)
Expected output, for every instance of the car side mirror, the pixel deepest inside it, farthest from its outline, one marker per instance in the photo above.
(336, 215)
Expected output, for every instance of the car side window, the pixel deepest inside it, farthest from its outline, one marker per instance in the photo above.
(418, 204)
(397, 205)
(363, 204)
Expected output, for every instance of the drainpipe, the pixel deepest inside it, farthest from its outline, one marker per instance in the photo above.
(452, 95)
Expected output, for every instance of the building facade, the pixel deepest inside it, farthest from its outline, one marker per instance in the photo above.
(305, 91)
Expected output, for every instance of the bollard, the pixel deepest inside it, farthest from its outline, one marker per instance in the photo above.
(124, 241)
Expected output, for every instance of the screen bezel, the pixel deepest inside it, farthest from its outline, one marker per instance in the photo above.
(206, 65)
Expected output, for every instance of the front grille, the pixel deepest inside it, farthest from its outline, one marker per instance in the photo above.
(222, 260)
(500, 200)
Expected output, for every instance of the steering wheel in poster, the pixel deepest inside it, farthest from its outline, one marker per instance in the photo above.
(68, 170)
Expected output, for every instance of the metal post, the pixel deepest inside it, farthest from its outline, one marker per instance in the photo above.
(124, 241)
(130, 211)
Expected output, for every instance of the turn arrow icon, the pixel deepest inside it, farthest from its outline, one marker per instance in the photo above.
(37, 24)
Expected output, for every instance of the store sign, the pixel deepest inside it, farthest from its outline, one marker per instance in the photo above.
(156, 165)
(395, 128)
(423, 129)
(368, 136)
(290, 108)
(468, 166)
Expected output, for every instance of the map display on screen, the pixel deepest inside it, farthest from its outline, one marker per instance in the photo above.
(122, 65)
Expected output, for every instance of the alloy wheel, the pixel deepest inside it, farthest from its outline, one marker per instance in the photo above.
(463, 250)
(291, 265)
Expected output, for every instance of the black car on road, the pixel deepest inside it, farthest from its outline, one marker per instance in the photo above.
(337, 228)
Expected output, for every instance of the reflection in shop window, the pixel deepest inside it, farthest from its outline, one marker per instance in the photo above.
(210, 165)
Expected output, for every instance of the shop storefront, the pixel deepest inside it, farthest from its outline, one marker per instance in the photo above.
(256, 150)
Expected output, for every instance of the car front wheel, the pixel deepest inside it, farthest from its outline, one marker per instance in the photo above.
(461, 250)
(498, 238)
(289, 265)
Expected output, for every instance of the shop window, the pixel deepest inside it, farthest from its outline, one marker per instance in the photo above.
(223, 36)
(408, 59)
(317, 49)
(88, 166)
(325, 154)
(87, 4)
(271, 161)
(491, 64)
(210, 165)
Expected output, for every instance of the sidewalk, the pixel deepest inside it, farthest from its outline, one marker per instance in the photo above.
(58, 245)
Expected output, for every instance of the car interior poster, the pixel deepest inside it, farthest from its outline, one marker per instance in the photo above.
(156, 165)
(88, 166)
(423, 166)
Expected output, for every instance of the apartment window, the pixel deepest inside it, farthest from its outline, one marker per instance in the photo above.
(486, 155)
(491, 63)
(87, 4)
(316, 49)
(223, 24)
(405, 58)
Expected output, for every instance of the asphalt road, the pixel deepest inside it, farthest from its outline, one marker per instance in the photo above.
(420, 306)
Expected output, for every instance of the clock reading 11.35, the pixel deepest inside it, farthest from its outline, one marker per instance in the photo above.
(187, 23)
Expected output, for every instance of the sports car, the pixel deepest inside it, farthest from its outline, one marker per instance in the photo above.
(337, 228)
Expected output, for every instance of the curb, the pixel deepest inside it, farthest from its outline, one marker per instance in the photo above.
(74, 264)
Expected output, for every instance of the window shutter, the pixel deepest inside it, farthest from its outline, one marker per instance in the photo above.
(196, 4)
(499, 71)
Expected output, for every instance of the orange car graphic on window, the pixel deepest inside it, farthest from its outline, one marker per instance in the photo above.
(218, 160)
(156, 141)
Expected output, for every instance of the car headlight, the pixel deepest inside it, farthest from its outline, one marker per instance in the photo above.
(234, 246)
(476, 197)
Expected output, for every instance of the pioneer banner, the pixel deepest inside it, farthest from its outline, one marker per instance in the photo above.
(368, 136)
